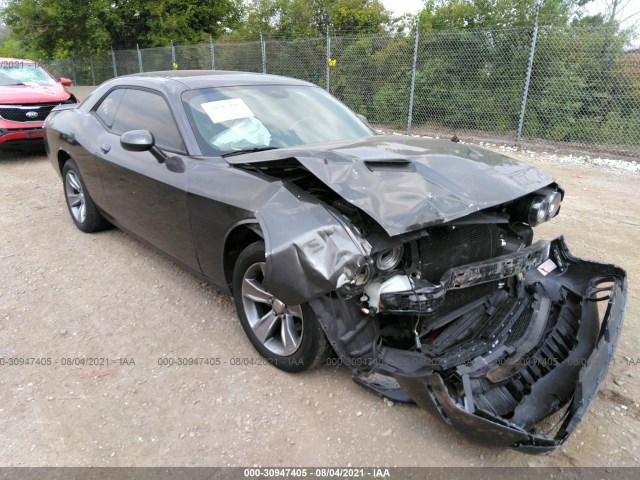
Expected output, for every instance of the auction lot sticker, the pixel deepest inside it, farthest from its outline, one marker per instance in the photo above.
(223, 110)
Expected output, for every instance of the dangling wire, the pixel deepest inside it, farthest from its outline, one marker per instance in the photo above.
(415, 328)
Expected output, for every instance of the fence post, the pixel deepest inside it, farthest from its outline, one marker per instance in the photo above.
(173, 56)
(263, 51)
(213, 53)
(413, 79)
(113, 63)
(139, 58)
(328, 74)
(93, 75)
(525, 93)
(73, 71)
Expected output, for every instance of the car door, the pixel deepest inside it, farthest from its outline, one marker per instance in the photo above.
(143, 195)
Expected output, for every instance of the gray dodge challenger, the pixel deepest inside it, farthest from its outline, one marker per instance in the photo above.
(410, 260)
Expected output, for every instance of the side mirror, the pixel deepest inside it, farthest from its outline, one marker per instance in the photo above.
(65, 82)
(137, 140)
(143, 141)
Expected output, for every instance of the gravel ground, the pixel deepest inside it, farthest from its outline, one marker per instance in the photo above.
(66, 295)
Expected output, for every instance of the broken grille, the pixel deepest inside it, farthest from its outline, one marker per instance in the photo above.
(452, 247)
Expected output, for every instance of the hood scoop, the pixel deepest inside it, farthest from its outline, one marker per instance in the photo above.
(390, 165)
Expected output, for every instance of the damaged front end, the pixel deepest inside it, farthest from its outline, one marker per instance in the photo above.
(521, 369)
(510, 349)
(505, 339)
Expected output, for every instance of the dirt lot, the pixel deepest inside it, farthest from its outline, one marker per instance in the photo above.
(67, 295)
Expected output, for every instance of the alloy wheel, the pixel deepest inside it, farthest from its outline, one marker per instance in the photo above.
(75, 197)
(277, 326)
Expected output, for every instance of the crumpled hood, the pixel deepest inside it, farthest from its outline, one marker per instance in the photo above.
(407, 183)
(17, 94)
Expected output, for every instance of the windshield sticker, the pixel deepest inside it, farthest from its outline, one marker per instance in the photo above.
(223, 110)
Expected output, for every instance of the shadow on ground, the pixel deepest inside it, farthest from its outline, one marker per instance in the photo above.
(13, 153)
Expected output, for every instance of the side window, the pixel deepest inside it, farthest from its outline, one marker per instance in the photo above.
(107, 109)
(140, 109)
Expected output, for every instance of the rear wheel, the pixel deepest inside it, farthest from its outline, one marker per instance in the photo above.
(83, 211)
(288, 336)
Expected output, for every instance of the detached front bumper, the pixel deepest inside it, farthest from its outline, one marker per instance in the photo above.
(524, 375)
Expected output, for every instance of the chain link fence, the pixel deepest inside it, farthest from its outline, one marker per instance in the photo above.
(584, 88)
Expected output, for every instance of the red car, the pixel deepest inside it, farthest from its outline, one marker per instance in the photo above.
(28, 93)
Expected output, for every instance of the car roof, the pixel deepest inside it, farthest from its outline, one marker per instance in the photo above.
(196, 79)
(173, 83)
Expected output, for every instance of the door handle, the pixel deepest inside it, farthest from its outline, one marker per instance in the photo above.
(105, 148)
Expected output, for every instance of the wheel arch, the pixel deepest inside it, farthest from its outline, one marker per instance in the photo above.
(240, 236)
(63, 157)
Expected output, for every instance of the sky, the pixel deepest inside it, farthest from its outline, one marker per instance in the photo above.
(399, 7)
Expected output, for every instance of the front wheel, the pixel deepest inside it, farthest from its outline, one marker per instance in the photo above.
(288, 336)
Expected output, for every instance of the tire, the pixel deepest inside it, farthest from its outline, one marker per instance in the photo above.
(83, 211)
(289, 337)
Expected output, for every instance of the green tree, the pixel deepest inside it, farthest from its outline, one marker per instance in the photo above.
(11, 48)
(289, 18)
(473, 58)
(310, 17)
(186, 21)
(577, 91)
(57, 28)
(443, 14)
(53, 28)
(352, 16)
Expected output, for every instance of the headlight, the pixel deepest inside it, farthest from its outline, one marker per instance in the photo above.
(537, 208)
(538, 211)
(554, 204)
(388, 259)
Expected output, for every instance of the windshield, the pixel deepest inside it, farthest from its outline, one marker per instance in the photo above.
(22, 73)
(249, 118)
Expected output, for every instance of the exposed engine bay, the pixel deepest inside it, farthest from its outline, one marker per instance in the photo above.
(481, 328)
(503, 338)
